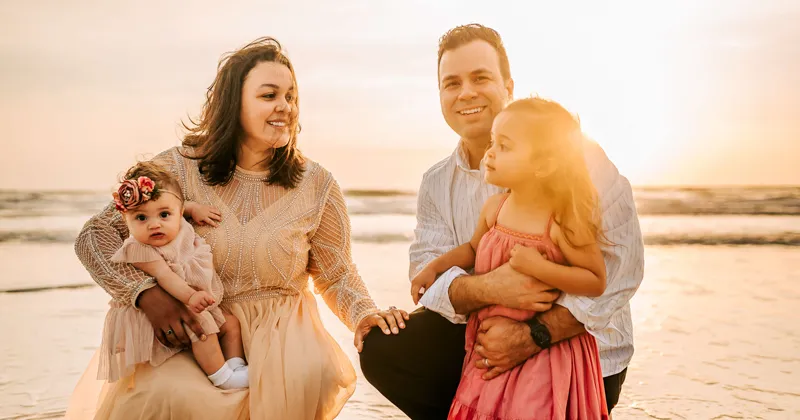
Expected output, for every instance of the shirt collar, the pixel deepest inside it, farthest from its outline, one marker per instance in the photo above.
(462, 162)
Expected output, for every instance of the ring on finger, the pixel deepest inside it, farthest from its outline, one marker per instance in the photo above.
(393, 308)
(486, 363)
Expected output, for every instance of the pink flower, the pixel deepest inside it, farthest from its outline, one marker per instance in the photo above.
(128, 196)
(146, 185)
(118, 202)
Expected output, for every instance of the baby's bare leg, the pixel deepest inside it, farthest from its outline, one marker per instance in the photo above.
(208, 354)
(210, 358)
(231, 338)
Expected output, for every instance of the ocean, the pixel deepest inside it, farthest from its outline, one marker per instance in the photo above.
(717, 331)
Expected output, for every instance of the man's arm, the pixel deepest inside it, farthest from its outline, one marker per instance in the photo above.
(561, 324)
(455, 293)
(461, 256)
(624, 259)
(470, 293)
(433, 237)
(503, 286)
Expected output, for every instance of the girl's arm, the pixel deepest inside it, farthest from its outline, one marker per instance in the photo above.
(585, 275)
(462, 256)
(167, 279)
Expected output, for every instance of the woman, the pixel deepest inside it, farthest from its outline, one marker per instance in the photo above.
(283, 219)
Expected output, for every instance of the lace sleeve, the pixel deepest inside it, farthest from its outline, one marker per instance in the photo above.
(100, 239)
(331, 266)
(97, 242)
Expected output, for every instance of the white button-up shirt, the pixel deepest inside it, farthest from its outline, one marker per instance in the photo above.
(450, 201)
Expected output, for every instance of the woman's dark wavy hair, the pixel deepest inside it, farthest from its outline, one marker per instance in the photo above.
(216, 135)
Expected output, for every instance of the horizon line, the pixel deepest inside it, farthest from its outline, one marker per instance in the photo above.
(393, 191)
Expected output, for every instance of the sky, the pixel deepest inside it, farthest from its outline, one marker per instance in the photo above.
(677, 93)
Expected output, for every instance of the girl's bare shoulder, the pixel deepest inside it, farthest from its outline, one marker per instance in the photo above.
(491, 206)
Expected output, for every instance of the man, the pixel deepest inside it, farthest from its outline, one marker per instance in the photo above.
(419, 370)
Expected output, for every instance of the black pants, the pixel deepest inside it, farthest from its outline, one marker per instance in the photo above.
(419, 369)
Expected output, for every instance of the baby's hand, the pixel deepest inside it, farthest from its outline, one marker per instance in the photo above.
(523, 256)
(202, 214)
(422, 282)
(200, 300)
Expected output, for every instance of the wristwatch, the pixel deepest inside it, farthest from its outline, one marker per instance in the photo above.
(539, 333)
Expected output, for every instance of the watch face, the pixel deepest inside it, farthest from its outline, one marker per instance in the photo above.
(541, 336)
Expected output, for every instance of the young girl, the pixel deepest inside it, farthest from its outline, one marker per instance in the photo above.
(547, 226)
(164, 245)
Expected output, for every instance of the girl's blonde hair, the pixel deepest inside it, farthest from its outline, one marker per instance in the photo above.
(558, 150)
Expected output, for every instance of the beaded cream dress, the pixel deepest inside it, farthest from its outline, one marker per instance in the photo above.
(270, 241)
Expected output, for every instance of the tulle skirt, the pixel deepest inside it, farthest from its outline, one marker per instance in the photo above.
(128, 340)
(297, 371)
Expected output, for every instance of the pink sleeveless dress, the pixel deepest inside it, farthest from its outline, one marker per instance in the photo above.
(562, 382)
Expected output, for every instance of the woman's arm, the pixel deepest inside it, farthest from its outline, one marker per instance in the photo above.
(331, 265)
(97, 242)
(102, 236)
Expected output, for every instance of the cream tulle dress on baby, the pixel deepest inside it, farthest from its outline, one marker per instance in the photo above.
(128, 337)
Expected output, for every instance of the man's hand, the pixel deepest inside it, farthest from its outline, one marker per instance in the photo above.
(167, 314)
(519, 291)
(504, 344)
(503, 286)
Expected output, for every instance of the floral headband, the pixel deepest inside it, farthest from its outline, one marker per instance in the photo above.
(135, 192)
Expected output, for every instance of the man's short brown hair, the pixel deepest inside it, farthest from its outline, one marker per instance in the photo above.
(464, 34)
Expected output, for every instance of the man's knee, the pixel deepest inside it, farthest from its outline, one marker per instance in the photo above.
(376, 354)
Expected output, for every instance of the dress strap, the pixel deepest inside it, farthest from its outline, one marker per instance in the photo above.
(549, 225)
(500, 207)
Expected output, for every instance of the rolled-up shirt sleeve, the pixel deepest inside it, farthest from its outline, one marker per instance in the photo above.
(432, 238)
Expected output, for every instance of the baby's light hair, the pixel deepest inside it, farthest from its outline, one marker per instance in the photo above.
(162, 178)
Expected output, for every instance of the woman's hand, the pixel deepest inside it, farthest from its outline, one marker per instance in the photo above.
(388, 320)
(202, 214)
(422, 282)
(167, 315)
